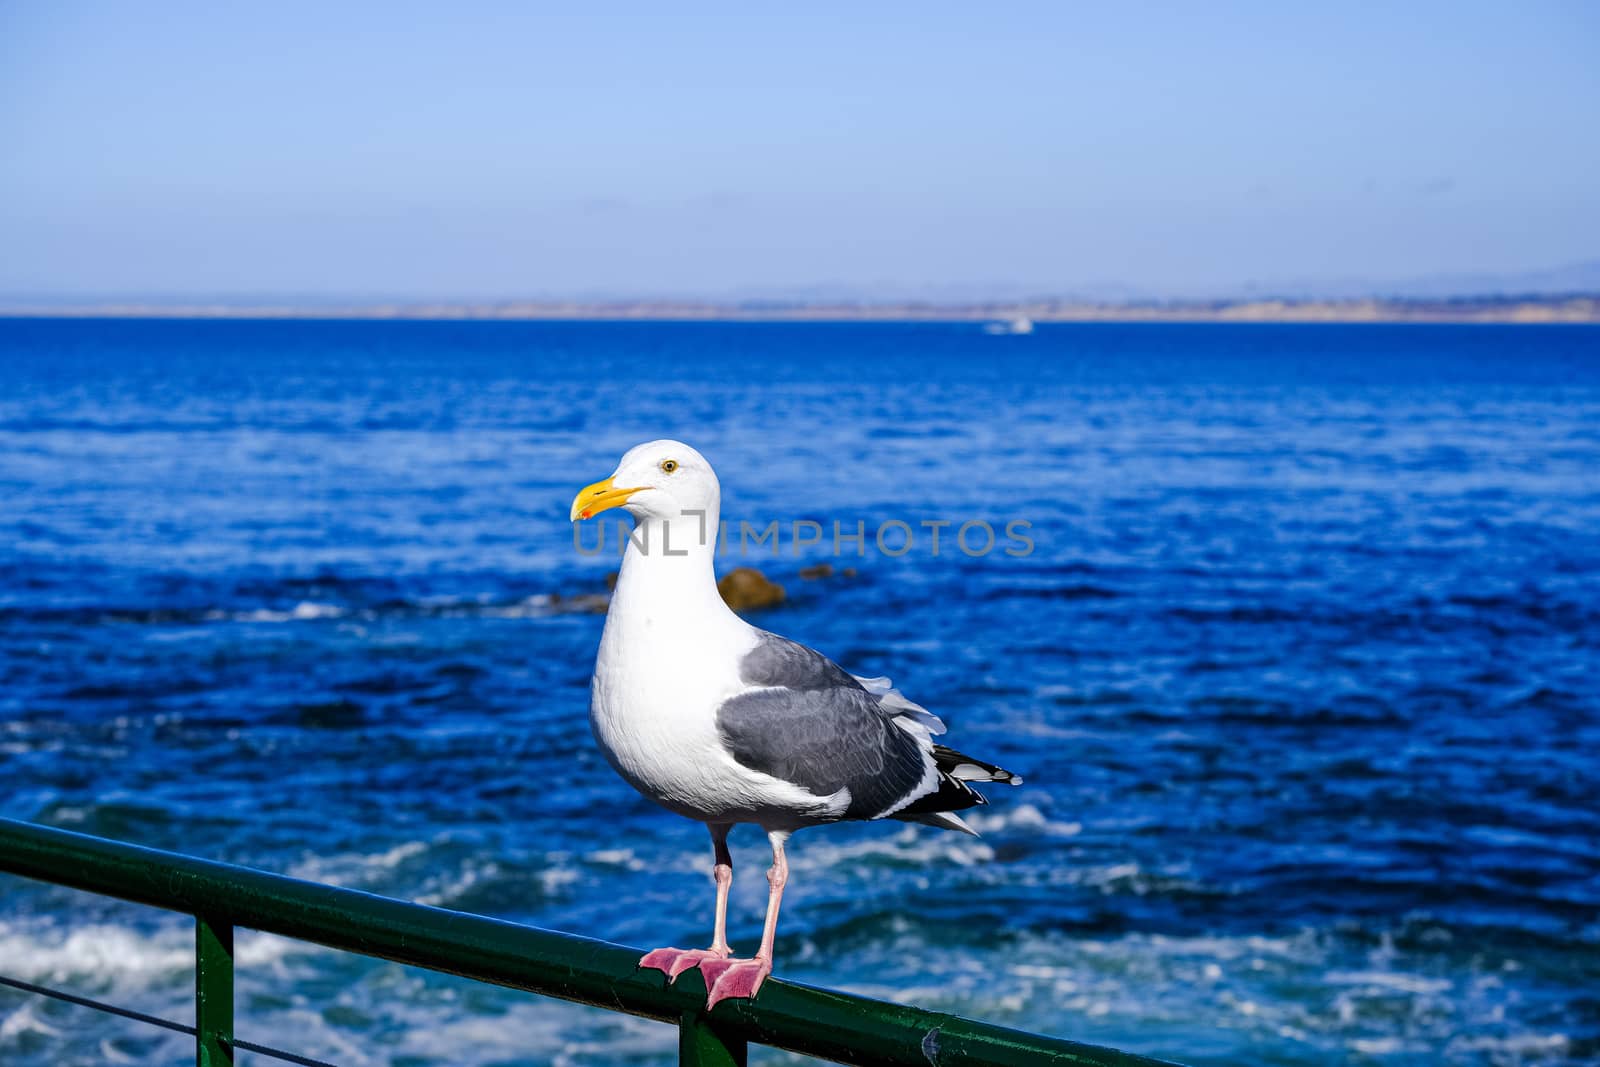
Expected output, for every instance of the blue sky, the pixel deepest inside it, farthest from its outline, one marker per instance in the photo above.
(503, 150)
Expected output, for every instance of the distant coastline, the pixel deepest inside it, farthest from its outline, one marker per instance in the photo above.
(1574, 308)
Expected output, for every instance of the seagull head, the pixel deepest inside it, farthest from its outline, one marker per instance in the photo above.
(660, 480)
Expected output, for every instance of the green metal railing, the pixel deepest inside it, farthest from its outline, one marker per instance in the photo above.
(220, 896)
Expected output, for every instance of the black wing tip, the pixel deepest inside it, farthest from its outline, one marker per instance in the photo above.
(952, 795)
(965, 768)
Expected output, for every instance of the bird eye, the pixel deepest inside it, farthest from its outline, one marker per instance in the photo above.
(669, 465)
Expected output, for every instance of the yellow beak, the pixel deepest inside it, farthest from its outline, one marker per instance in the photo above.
(593, 499)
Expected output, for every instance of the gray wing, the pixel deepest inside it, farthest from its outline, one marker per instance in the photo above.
(810, 723)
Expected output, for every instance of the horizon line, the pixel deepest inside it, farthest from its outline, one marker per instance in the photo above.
(1581, 307)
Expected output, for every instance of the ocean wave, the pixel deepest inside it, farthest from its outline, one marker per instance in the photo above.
(1283, 999)
(25, 1020)
(305, 611)
(355, 869)
(532, 606)
(1081, 591)
(1019, 817)
(1354, 997)
(911, 846)
(102, 955)
(564, 1035)
(445, 873)
(1375, 696)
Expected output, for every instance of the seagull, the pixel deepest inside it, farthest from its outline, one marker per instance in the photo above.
(725, 723)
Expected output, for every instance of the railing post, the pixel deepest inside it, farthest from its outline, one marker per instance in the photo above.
(702, 1044)
(213, 991)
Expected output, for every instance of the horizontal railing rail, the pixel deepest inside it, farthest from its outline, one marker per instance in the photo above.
(815, 1022)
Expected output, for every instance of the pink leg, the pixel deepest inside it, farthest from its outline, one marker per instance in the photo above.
(674, 961)
(727, 978)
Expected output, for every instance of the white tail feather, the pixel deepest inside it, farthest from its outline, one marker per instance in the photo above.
(894, 700)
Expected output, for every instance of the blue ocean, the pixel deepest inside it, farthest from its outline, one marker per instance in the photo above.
(1299, 664)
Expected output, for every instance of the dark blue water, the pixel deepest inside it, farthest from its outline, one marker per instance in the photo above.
(1301, 671)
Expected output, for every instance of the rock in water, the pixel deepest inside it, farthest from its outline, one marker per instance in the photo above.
(747, 589)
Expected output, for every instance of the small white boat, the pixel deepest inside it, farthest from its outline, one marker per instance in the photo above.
(1019, 325)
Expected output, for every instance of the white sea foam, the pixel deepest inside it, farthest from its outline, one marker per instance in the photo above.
(305, 611)
(359, 868)
(1378, 1046)
(532, 607)
(1313, 996)
(454, 884)
(107, 955)
(1516, 1048)
(1391, 981)
(568, 1036)
(911, 845)
(146, 970)
(555, 880)
(1021, 818)
(25, 1020)
(113, 1054)
(617, 857)
(101, 952)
